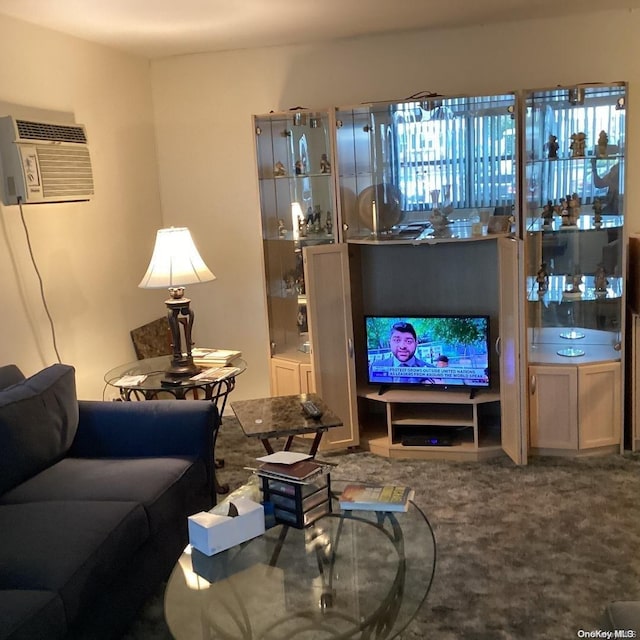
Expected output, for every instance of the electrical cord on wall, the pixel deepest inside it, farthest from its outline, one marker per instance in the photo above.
(35, 267)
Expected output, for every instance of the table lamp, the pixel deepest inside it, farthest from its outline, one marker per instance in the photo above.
(174, 264)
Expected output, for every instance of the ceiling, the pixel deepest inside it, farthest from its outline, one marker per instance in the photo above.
(162, 28)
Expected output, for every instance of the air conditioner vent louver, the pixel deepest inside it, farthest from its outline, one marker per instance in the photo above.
(44, 162)
(29, 130)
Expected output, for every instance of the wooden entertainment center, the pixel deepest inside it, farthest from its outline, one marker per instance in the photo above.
(509, 206)
(430, 424)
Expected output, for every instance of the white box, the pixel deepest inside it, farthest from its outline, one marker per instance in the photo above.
(211, 532)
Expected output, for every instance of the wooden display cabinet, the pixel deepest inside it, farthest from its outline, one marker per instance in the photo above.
(369, 277)
(294, 153)
(432, 424)
(427, 188)
(573, 198)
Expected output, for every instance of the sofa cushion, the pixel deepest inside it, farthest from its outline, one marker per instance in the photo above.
(164, 486)
(38, 421)
(75, 548)
(10, 375)
(26, 614)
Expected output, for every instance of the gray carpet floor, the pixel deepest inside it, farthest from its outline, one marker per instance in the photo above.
(522, 552)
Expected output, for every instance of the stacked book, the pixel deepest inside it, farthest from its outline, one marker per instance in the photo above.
(302, 471)
(298, 491)
(214, 357)
(362, 497)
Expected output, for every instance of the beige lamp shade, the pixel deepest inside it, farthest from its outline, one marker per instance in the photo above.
(175, 261)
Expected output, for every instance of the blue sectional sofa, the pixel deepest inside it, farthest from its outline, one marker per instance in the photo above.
(94, 499)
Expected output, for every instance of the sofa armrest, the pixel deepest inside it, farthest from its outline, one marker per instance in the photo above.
(153, 428)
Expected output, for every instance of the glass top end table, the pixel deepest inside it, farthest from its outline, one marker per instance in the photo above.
(356, 575)
(146, 380)
(282, 416)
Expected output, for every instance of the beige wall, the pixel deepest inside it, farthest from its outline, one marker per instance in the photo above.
(91, 255)
(205, 141)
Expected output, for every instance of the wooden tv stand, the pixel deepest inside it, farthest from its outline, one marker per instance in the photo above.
(453, 425)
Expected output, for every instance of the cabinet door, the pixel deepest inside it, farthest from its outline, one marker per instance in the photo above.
(513, 423)
(307, 383)
(285, 377)
(553, 407)
(331, 335)
(600, 411)
(635, 382)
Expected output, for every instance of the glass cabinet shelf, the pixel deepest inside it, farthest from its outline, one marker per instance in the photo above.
(585, 222)
(298, 209)
(573, 197)
(558, 290)
(590, 154)
(433, 168)
(589, 346)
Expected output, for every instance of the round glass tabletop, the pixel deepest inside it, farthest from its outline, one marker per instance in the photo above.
(147, 377)
(352, 574)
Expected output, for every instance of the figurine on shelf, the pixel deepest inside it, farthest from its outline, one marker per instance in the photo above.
(289, 283)
(573, 289)
(309, 219)
(574, 209)
(564, 211)
(325, 165)
(317, 213)
(603, 142)
(542, 278)
(282, 230)
(302, 228)
(552, 147)
(439, 223)
(578, 141)
(299, 168)
(600, 279)
(300, 320)
(597, 211)
(329, 224)
(279, 170)
(557, 209)
(547, 214)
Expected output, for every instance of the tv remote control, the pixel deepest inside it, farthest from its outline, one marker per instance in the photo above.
(311, 410)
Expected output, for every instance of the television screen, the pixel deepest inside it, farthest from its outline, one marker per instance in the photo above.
(441, 351)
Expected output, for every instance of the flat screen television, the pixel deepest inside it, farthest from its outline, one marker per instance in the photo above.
(440, 351)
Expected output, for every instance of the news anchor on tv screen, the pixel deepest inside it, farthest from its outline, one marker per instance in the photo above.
(428, 350)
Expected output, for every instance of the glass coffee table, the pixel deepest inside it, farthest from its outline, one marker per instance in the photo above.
(352, 574)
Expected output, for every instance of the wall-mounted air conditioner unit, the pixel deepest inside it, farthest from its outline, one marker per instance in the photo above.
(44, 162)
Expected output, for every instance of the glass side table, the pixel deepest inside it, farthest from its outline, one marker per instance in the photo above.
(152, 387)
(353, 575)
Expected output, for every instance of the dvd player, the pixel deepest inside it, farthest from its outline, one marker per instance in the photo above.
(426, 440)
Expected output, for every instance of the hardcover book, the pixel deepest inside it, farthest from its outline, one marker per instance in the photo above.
(300, 471)
(215, 374)
(210, 357)
(376, 498)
